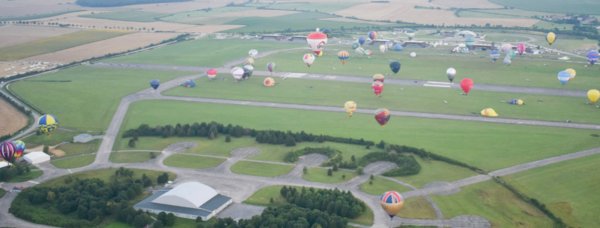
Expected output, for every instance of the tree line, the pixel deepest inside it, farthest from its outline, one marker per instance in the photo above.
(334, 202)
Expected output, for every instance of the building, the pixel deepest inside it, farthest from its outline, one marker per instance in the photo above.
(3, 164)
(187, 200)
(36, 157)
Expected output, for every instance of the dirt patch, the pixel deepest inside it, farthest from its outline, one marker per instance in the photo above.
(24, 8)
(57, 152)
(100, 48)
(414, 10)
(12, 120)
(15, 34)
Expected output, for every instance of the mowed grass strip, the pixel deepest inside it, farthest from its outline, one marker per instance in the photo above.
(493, 202)
(85, 98)
(80, 148)
(75, 161)
(56, 43)
(417, 208)
(379, 185)
(486, 146)
(433, 171)
(260, 169)
(127, 15)
(132, 156)
(192, 161)
(319, 174)
(396, 97)
(569, 189)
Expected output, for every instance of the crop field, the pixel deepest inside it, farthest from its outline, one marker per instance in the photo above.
(314, 6)
(16, 34)
(77, 96)
(493, 202)
(554, 6)
(128, 15)
(55, 43)
(568, 189)
(487, 147)
(222, 15)
(23, 9)
(12, 120)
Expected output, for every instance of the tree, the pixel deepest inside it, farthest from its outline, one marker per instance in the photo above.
(163, 178)
(329, 172)
(46, 149)
(360, 171)
(335, 167)
(227, 139)
(304, 170)
(131, 143)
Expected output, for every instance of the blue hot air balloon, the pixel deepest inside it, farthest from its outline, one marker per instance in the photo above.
(395, 66)
(494, 54)
(564, 77)
(397, 47)
(361, 40)
(592, 56)
(155, 83)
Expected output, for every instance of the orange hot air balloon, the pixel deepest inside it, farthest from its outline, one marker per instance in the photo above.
(391, 202)
(466, 84)
(269, 82)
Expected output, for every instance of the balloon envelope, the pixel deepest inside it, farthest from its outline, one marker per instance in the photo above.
(361, 40)
(395, 66)
(489, 112)
(494, 54)
(343, 56)
(451, 72)
(308, 59)
(270, 67)
(154, 84)
(19, 148)
(350, 107)
(372, 35)
(269, 82)
(466, 85)
(7, 151)
(571, 72)
(253, 53)
(237, 73)
(550, 38)
(378, 77)
(563, 77)
(521, 48)
(397, 47)
(413, 54)
(316, 40)
(391, 202)
(377, 87)
(382, 116)
(248, 69)
(211, 73)
(47, 123)
(382, 48)
(593, 95)
(593, 56)
(516, 102)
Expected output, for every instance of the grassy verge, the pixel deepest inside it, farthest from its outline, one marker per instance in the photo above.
(74, 161)
(381, 185)
(260, 169)
(435, 171)
(104, 175)
(319, 174)
(418, 208)
(34, 173)
(192, 162)
(131, 156)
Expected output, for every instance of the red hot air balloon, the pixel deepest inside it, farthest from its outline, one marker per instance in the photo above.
(316, 41)
(377, 87)
(466, 84)
(382, 116)
(211, 73)
(521, 48)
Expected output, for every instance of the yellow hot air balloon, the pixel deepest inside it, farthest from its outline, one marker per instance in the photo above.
(391, 202)
(489, 112)
(571, 72)
(593, 95)
(551, 37)
(350, 107)
(250, 61)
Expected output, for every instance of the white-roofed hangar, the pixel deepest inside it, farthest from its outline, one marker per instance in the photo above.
(187, 200)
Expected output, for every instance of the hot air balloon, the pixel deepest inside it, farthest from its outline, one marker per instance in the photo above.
(269, 82)
(350, 107)
(271, 67)
(343, 56)
(211, 73)
(593, 95)
(507, 60)
(593, 56)
(155, 83)
(521, 48)
(249, 60)
(489, 112)
(7, 151)
(466, 85)
(391, 202)
(237, 73)
(253, 53)
(189, 83)
(47, 123)
(316, 41)
(372, 35)
(506, 48)
(308, 59)
(395, 66)
(397, 47)
(413, 54)
(550, 38)
(382, 48)
(248, 69)
(355, 45)
(377, 87)
(378, 78)
(368, 52)
(516, 101)
(451, 72)
(571, 72)
(563, 77)
(19, 148)
(494, 54)
(361, 40)
(382, 116)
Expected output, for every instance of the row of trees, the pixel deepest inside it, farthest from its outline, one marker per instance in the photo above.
(407, 165)
(17, 169)
(334, 202)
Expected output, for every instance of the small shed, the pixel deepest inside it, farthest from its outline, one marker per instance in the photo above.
(36, 157)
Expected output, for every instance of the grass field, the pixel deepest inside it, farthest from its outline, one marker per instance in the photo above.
(131, 156)
(221, 15)
(493, 202)
(74, 161)
(435, 171)
(80, 148)
(34, 173)
(396, 97)
(129, 15)
(2, 192)
(104, 174)
(192, 162)
(56, 43)
(260, 169)
(77, 96)
(487, 147)
(500, 13)
(320, 175)
(326, 7)
(569, 189)
(55, 138)
(431, 64)
(554, 6)
(418, 208)
(381, 185)
(204, 52)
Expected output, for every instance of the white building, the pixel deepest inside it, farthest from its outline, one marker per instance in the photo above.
(36, 157)
(187, 200)
(3, 164)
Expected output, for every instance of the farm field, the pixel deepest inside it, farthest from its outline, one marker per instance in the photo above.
(12, 119)
(222, 15)
(487, 148)
(553, 6)
(567, 189)
(55, 43)
(16, 34)
(127, 15)
(314, 6)
(22, 9)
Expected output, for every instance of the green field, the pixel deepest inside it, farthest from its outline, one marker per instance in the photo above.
(57, 136)
(320, 175)
(327, 7)
(569, 189)
(214, 16)
(129, 15)
(499, 13)
(74, 161)
(436, 171)
(34, 173)
(396, 97)
(77, 96)
(104, 175)
(381, 185)
(486, 147)
(131, 156)
(203, 52)
(80, 148)
(192, 162)
(493, 202)
(417, 207)
(260, 169)
(55, 43)
(554, 6)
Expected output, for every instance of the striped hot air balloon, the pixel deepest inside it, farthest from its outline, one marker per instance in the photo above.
(391, 202)
(47, 123)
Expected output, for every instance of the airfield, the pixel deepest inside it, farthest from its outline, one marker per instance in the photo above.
(546, 149)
